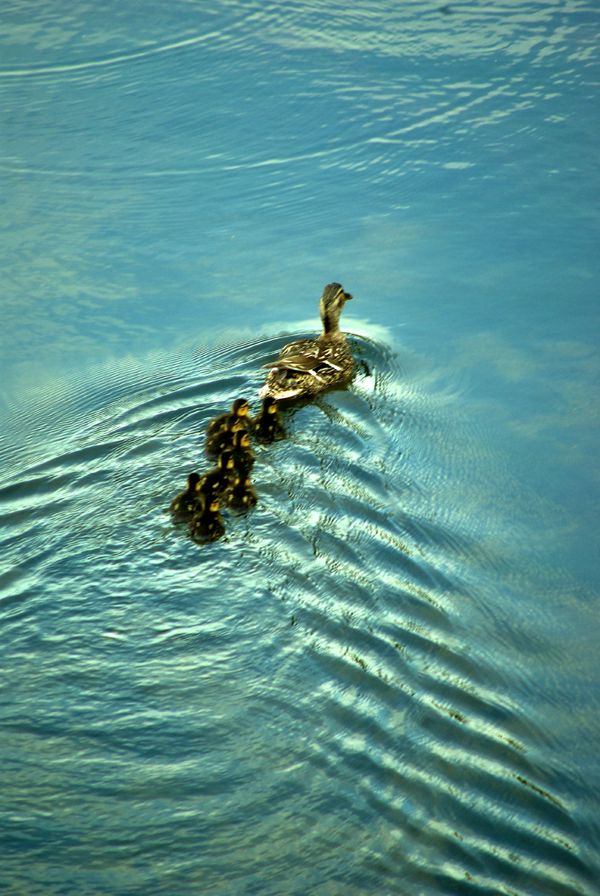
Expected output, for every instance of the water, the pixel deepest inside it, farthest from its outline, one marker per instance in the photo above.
(383, 680)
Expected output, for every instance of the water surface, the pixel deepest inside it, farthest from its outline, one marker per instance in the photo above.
(384, 679)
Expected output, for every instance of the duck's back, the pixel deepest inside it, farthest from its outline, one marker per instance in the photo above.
(327, 364)
(308, 347)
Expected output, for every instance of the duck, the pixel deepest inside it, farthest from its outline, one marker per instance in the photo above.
(268, 425)
(308, 367)
(240, 495)
(239, 409)
(242, 454)
(183, 505)
(207, 522)
(222, 439)
(214, 482)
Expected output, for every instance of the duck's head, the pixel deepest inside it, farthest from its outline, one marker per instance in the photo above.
(193, 480)
(269, 405)
(240, 407)
(332, 302)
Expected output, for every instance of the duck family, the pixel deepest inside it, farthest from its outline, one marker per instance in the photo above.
(303, 370)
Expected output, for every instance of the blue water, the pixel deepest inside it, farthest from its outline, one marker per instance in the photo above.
(383, 680)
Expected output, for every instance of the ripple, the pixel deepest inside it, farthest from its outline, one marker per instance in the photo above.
(59, 69)
(327, 657)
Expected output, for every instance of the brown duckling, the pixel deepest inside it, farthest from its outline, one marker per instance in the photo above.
(243, 457)
(239, 494)
(239, 409)
(222, 439)
(207, 522)
(268, 425)
(310, 366)
(183, 505)
(215, 481)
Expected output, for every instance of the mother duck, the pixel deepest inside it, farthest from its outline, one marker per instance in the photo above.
(310, 366)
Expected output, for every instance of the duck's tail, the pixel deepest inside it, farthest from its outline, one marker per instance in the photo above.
(280, 394)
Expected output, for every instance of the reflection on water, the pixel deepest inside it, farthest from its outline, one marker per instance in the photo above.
(383, 679)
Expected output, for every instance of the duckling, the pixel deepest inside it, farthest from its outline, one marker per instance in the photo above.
(239, 494)
(239, 408)
(183, 505)
(243, 457)
(268, 425)
(222, 439)
(207, 522)
(215, 481)
(310, 366)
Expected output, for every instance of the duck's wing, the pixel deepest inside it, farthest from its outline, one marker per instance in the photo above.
(303, 356)
(296, 364)
(306, 361)
(300, 356)
(306, 347)
(300, 362)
